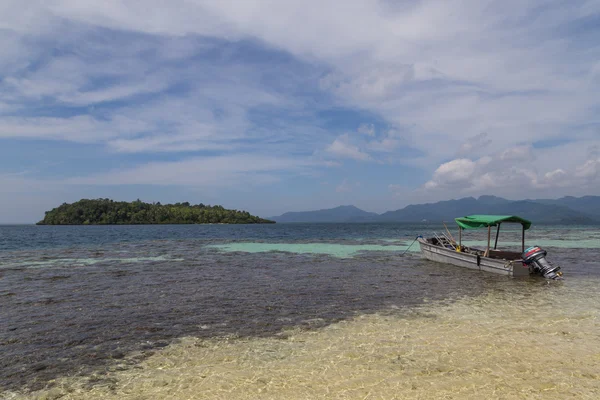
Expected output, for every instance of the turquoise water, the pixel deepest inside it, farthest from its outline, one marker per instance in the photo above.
(332, 249)
(562, 237)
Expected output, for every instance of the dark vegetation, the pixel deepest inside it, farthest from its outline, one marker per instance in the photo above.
(109, 212)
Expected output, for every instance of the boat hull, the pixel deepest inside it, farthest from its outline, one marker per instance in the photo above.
(450, 256)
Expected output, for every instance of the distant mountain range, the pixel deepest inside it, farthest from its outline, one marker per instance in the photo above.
(337, 214)
(564, 210)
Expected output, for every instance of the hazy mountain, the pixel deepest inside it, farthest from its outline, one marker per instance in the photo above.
(586, 204)
(448, 210)
(492, 200)
(565, 210)
(337, 214)
(542, 213)
(440, 211)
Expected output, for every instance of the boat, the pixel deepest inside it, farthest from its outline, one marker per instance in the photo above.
(530, 261)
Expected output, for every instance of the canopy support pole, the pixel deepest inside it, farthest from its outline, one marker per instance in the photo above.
(497, 233)
(460, 238)
(487, 252)
(523, 239)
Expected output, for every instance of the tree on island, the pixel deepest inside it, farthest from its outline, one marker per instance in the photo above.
(109, 212)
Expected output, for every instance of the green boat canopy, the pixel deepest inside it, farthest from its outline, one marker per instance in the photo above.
(482, 221)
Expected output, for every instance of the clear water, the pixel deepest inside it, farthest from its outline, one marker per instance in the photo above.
(290, 311)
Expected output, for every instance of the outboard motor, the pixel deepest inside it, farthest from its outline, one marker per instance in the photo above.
(535, 257)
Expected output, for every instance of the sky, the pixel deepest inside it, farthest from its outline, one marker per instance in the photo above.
(273, 106)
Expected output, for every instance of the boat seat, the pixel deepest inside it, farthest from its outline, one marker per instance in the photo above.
(504, 255)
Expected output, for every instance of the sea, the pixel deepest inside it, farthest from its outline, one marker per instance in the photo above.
(291, 311)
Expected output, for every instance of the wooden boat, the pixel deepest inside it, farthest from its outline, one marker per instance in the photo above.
(531, 261)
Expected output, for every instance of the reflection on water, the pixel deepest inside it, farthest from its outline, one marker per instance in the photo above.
(307, 312)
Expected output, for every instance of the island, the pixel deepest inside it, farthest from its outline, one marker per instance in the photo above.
(109, 212)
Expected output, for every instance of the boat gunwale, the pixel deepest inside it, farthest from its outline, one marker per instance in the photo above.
(488, 264)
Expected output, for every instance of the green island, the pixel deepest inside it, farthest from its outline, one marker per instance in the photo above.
(109, 212)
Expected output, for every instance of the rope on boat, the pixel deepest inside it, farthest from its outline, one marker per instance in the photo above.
(411, 244)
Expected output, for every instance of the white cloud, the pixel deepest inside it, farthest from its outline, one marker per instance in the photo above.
(519, 153)
(217, 171)
(593, 152)
(458, 74)
(38, 88)
(113, 93)
(399, 191)
(346, 186)
(588, 170)
(453, 173)
(475, 144)
(341, 147)
(556, 178)
(366, 129)
(513, 174)
(385, 145)
(21, 183)
(168, 144)
(210, 115)
(82, 129)
(71, 79)
(445, 66)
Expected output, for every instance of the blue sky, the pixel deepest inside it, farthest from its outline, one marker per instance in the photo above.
(274, 106)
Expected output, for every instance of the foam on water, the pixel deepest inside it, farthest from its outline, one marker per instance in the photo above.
(332, 249)
(526, 340)
(73, 262)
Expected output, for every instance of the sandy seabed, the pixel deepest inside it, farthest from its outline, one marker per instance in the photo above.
(543, 343)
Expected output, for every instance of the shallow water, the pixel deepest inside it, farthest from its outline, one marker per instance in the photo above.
(289, 311)
(332, 249)
(504, 344)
